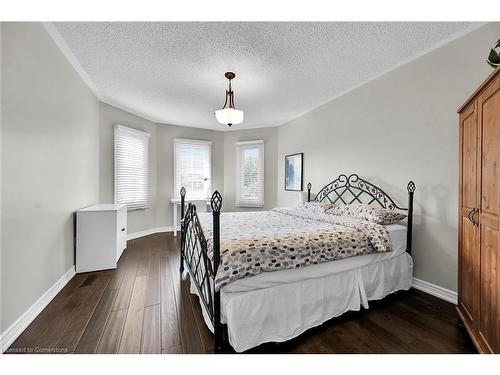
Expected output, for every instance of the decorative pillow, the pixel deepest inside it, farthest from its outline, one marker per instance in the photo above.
(374, 214)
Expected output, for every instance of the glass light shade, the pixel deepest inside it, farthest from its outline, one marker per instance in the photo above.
(229, 116)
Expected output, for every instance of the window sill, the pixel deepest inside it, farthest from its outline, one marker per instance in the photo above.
(138, 209)
(249, 205)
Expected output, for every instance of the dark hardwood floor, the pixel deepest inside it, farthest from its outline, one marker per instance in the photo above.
(144, 307)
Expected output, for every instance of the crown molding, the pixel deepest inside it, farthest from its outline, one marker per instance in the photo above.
(64, 48)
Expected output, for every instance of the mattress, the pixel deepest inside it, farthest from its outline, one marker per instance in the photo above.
(397, 233)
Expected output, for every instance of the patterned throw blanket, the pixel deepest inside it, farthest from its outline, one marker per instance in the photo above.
(255, 242)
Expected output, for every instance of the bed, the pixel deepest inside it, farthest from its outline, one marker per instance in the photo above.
(269, 276)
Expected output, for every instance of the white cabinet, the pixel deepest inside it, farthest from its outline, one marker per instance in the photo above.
(101, 236)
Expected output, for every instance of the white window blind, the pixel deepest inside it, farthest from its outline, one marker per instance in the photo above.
(131, 167)
(193, 168)
(250, 174)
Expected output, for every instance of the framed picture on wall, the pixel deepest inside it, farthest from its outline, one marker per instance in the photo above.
(293, 172)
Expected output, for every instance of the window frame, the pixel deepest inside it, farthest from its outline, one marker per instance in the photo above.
(198, 142)
(240, 146)
(147, 136)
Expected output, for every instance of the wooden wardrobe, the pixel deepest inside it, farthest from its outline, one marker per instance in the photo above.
(479, 215)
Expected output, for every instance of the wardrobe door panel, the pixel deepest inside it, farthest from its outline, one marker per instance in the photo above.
(469, 133)
(488, 314)
(470, 258)
(489, 218)
(469, 251)
(489, 105)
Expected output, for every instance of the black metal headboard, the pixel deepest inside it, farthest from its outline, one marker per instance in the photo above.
(353, 189)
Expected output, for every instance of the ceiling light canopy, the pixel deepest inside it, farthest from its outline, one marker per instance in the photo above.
(229, 115)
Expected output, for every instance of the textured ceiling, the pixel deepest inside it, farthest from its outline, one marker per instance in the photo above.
(173, 72)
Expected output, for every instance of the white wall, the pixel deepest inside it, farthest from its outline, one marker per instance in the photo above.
(50, 148)
(398, 127)
(109, 116)
(270, 138)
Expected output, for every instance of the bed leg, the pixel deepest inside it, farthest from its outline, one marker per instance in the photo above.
(183, 199)
(218, 333)
(216, 204)
(411, 189)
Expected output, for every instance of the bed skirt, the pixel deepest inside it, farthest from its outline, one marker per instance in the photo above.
(282, 312)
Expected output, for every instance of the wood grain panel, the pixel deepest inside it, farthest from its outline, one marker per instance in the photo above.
(97, 284)
(469, 247)
(131, 338)
(153, 287)
(469, 134)
(488, 316)
(90, 338)
(168, 307)
(151, 332)
(189, 334)
(122, 299)
(489, 112)
(490, 150)
(470, 261)
(112, 333)
(121, 269)
(206, 336)
(143, 266)
(444, 342)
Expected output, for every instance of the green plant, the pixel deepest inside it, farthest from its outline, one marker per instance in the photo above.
(493, 59)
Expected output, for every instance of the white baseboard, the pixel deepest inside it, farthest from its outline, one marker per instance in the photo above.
(435, 290)
(147, 232)
(16, 328)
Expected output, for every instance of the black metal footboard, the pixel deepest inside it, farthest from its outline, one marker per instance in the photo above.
(201, 268)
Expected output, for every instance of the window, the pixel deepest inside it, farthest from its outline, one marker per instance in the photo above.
(131, 168)
(250, 174)
(192, 168)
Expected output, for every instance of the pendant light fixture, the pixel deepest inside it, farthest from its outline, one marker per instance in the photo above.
(229, 115)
